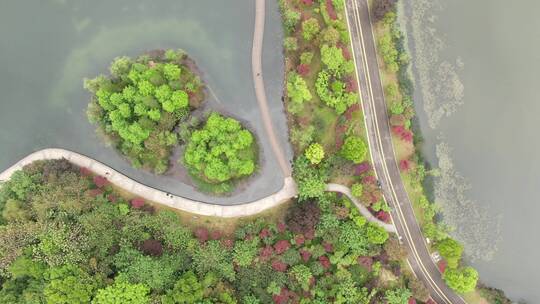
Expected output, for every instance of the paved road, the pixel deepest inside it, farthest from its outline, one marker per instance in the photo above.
(382, 153)
(256, 68)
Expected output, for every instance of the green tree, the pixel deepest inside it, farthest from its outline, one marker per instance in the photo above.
(297, 89)
(302, 275)
(398, 296)
(69, 285)
(461, 280)
(311, 180)
(451, 250)
(330, 35)
(376, 234)
(357, 189)
(122, 292)
(245, 251)
(290, 44)
(314, 153)
(222, 150)
(354, 149)
(187, 290)
(306, 57)
(334, 60)
(310, 28)
(290, 20)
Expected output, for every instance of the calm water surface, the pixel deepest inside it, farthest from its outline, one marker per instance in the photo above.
(494, 133)
(48, 47)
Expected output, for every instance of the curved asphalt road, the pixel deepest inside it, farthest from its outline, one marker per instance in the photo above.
(382, 153)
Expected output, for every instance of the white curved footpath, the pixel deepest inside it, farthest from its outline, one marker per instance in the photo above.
(363, 210)
(287, 192)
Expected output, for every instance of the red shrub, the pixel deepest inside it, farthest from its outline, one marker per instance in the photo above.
(303, 69)
(112, 198)
(285, 296)
(383, 216)
(328, 247)
(85, 171)
(365, 261)
(282, 246)
(100, 181)
(152, 247)
(305, 255)
(370, 179)
(404, 165)
(227, 243)
(345, 52)
(264, 233)
(331, 10)
(411, 301)
(95, 192)
(216, 235)
(137, 202)
(202, 234)
(310, 234)
(307, 2)
(278, 265)
(442, 265)
(266, 252)
(324, 261)
(362, 168)
(303, 217)
(299, 240)
(351, 85)
(398, 130)
(281, 227)
(407, 136)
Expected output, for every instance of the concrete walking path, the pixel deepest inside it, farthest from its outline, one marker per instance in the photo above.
(288, 192)
(258, 81)
(363, 210)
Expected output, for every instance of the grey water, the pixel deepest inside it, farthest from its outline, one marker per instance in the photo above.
(493, 130)
(48, 47)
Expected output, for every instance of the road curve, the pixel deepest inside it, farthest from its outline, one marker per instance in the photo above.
(258, 81)
(383, 156)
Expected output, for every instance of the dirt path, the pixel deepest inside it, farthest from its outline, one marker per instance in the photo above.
(258, 81)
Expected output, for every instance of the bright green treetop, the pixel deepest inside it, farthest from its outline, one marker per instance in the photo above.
(122, 292)
(354, 149)
(451, 251)
(315, 153)
(461, 280)
(221, 150)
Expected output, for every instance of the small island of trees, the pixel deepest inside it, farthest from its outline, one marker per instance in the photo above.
(139, 106)
(144, 110)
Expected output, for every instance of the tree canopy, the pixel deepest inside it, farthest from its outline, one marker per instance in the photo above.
(221, 150)
(141, 103)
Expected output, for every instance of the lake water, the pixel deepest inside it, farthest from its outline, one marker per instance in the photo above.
(48, 47)
(480, 61)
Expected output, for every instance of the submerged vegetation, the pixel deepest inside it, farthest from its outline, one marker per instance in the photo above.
(69, 237)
